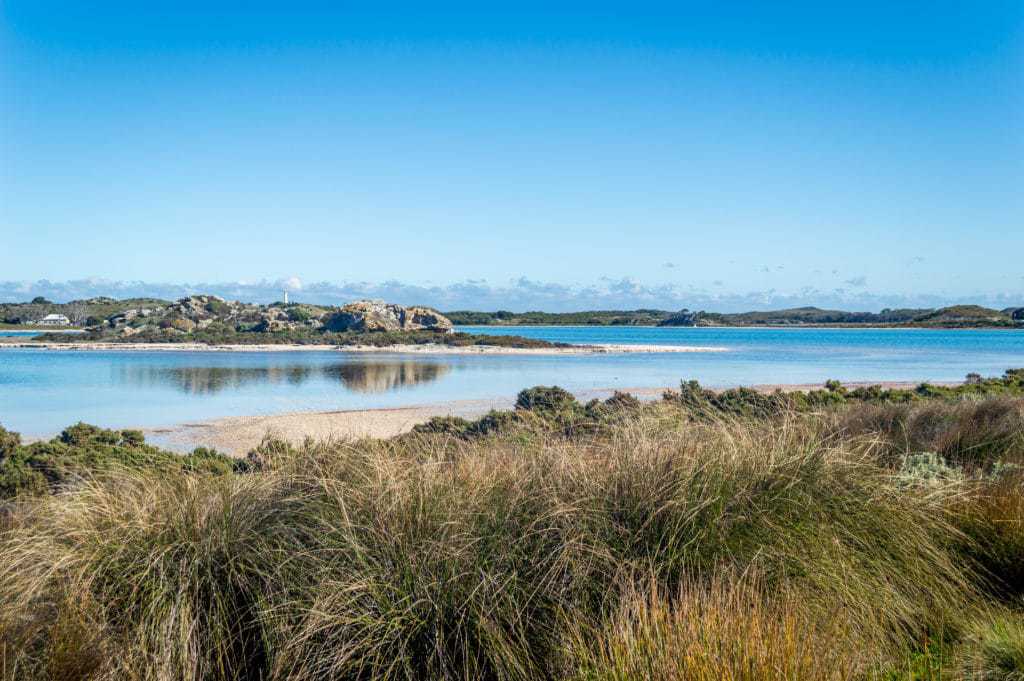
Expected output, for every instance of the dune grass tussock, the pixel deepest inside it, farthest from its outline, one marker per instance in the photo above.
(731, 628)
(995, 649)
(991, 520)
(431, 556)
(175, 570)
(970, 433)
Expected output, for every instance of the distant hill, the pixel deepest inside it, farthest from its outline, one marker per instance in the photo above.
(965, 314)
(536, 318)
(957, 316)
(110, 314)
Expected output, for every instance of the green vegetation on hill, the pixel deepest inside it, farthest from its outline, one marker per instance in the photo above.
(813, 315)
(212, 320)
(109, 316)
(955, 316)
(869, 535)
(958, 316)
(218, 334)
(592, 318)
(85, 312)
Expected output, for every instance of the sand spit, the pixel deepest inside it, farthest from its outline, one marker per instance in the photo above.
(426, 349)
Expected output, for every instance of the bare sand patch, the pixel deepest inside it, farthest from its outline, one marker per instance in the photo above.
(237, 435)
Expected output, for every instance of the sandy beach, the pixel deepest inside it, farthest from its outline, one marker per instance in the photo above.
(237, 435)
(425, 349)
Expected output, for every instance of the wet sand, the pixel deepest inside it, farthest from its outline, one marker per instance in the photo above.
(237, 435)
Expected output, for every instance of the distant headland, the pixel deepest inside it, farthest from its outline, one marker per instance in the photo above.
(953, 317)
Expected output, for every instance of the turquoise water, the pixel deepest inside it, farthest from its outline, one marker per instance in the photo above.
(21, 333)
(43, 391)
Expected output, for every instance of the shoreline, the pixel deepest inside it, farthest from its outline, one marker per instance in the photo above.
(424, 349)
(857, 327)
(237, 435)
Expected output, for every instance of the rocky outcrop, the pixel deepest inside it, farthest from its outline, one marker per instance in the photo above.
(199, 312)
(371, 315)
(206, 307)
(132, 316)
(426, 318)
(180, 324)
(273, 319)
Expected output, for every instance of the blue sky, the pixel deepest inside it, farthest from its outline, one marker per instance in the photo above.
(747, 154)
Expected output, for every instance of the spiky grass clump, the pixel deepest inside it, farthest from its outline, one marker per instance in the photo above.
(994, 649)
(991, 518)
(168, 578)
(430, 556)
(974, 434)
(730, 629)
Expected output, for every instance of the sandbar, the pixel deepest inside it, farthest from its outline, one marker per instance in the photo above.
(406, 349)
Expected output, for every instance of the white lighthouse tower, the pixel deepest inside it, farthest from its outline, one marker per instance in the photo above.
(285, 297)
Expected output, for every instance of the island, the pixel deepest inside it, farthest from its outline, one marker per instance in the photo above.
(208, 322)
(214, 321)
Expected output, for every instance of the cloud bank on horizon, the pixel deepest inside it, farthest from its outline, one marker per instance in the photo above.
(517, 295)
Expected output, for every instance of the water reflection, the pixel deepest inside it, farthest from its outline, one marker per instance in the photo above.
(363, 377)
(379, 377)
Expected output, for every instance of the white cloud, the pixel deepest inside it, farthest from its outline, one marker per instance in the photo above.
(518, 294)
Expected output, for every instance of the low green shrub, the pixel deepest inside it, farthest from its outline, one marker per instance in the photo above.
(552, 400)
(83, 450)
(455, 426)
(748, 402)
(928, 468)
(545, 410)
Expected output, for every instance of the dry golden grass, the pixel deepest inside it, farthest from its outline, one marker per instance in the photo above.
(732, 628)
(654, 548)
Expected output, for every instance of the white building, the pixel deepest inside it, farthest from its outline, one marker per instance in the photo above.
(54, 320)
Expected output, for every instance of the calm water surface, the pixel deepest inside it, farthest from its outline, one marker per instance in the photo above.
(43, 391)
(26, 335)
